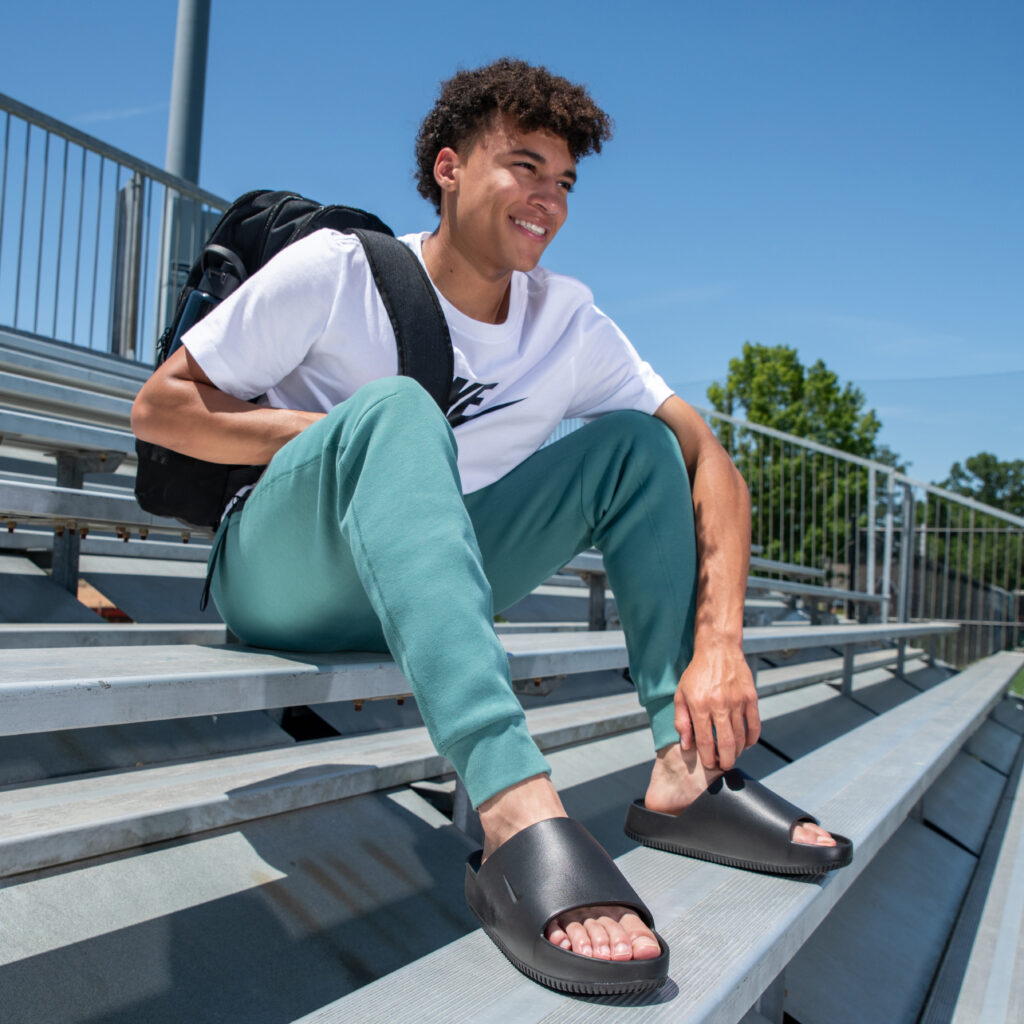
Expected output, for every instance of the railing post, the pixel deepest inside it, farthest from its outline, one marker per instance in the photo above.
(847, 682)
(890, 497)
(906, 555)
(125, 281)
(871, 548)
(596, 617)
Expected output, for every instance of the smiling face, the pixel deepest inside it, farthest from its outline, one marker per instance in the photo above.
(505, 197)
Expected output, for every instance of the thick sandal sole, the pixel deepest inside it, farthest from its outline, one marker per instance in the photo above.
(575, 988)
(794, 871)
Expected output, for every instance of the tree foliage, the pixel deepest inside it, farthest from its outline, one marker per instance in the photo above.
(769, 385)
(808, 507)
(989, 480)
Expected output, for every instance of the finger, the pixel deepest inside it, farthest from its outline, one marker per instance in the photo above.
(739, 732)
(684, 724)
(753, 723)
(726, 741)
(705, 740)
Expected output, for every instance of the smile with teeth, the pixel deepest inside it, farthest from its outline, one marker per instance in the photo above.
(535, 229)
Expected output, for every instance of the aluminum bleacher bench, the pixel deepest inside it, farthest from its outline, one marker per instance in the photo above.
(44, 690)
(73, 509)
(982, 973)
(732, 933)
(63, 363)
(589, 565)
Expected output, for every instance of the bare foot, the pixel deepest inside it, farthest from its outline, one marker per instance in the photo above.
(679, 777)
(607, 933)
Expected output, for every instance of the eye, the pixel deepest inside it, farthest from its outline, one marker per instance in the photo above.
(567, 185)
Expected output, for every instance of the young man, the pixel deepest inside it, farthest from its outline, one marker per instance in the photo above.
(377, 526)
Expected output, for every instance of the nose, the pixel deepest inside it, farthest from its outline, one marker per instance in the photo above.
(548, 195)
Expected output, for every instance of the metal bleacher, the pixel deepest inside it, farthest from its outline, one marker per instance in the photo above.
(194, 830)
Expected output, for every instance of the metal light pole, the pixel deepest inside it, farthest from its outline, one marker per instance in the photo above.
(188, 87)
(184, 226)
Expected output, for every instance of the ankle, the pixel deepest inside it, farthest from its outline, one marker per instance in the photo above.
(517, 807)
(677, 779)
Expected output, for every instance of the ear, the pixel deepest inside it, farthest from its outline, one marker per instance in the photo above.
(446, 168)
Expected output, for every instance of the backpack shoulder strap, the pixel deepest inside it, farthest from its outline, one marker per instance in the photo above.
(424, 344)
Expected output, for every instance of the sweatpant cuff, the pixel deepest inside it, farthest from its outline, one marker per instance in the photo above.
(495, 758)
(661, 712)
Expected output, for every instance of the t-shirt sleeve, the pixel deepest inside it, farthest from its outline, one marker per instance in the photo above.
(610, 375)
(262, 331)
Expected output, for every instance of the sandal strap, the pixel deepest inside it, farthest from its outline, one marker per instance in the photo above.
(549, 868)
(736, 810)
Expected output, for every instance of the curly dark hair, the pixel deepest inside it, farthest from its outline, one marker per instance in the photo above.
(534, 97)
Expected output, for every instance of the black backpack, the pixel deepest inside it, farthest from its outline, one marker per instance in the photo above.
(252, 230)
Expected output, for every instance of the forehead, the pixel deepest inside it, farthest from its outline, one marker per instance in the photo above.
(504, 136)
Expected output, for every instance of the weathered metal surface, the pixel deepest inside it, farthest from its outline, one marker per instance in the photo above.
(731, 932)
(891, 927)
(982, 974)
(963, 800)
(995, 745)
(809, 718)
(71, 819)
(75, 509)
(50, 433)
(44, 397)
(107, 634)
(64, 690)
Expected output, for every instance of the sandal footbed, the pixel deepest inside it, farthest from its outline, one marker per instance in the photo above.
(741, 823)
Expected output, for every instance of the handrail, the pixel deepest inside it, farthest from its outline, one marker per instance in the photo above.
(878, 467)
(90, 142)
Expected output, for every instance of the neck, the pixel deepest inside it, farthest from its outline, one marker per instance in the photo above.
(464, 282)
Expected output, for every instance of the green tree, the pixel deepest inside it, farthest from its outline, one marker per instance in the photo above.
(769, 385)
(808, 507)
(970, 542)
(990, 481)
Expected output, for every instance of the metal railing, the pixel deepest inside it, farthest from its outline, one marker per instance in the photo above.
(927, 552)
(94, 243)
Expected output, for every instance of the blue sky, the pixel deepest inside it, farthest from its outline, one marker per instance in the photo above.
(844, 178)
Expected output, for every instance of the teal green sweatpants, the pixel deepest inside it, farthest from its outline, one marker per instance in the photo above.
(358, 537)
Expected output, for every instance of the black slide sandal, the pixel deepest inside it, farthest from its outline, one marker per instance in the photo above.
(741, 823)
(541, 872)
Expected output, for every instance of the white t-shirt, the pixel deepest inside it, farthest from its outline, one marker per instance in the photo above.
(310, 328)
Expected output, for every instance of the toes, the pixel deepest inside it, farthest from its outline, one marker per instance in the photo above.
(606, 933)
(620, 947)
(599, 940)
(643, 944)
(812, 835)
(579, 938)
(556, 935)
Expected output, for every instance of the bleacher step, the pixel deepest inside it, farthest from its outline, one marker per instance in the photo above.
(781, 678)
(731, 932)
(982, 974)
(70, 819)
(68, 689)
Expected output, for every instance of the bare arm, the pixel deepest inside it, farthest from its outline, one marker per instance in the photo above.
(717, 688)
(180, 408)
